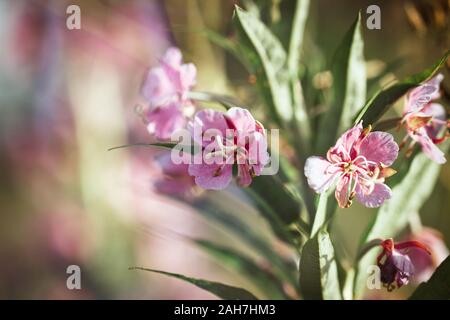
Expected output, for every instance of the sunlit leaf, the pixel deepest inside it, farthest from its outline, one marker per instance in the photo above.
(318, 269)
(221, 290)
(384, 99)
(326, 206)
(295, 46)
(267, 59)
(349, 87)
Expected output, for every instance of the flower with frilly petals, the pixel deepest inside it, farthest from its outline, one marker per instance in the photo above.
(166, 89)
(358, 164)
(229, 138)
(396, 267)
(425, 121)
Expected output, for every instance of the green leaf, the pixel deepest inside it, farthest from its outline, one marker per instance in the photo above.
(263, 279)
(267, 59)
(325, 210)
(221, 290)
(139, 144)
(407, 198)
(275, 194)
(297, 33)
(302, 123)
(282, 268)
(265, 209)
(228, 45)
(318, 269)
(438, 287)
(349, 86)
(381, 101)
(226, 101)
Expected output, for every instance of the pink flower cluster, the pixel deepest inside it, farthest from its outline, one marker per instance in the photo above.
(226, 138)
(234, 137)
(358, 164)
(166, 89)
(426, 121)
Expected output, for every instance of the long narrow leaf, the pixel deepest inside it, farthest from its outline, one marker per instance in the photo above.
(267, 57)
(383, 100)
(349, 86)
(221, 290)
(318, 269)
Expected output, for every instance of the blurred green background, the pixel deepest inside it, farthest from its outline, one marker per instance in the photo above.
(66, 96)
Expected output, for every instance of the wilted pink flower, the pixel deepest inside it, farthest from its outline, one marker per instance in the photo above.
(176, 181)
(358, 164)
(395, 264)
(166, 89)
(426, 122)
(425, 264)
(226, 139)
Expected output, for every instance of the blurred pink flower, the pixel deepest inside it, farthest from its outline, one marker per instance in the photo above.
(424, 263)
(245, 144)
(176, 180)
(395, 264)
(359, 164)
(425, 121)
(166, 89)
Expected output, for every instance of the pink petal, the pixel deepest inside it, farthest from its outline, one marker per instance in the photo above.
(157, 87)
(342, 192)
(428, 146)
(164, 121)
(422, 95)
(210, 122)
(380, 193)
(172, 57)
(344, 145)
(242, 119)
(188, 75)
(208, 176)
(257, 150)
(319, 175)
(438, 121)
(426, 264)
(379, 147)
(171, 168)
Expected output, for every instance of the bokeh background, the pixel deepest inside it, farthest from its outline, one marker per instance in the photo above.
(66, 96)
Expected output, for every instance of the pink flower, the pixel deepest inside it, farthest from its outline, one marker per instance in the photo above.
(425, 264)
(358, 164)
(396, 267)
(426, 122)
(166, 88)
(176, 181)
(226, 139)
